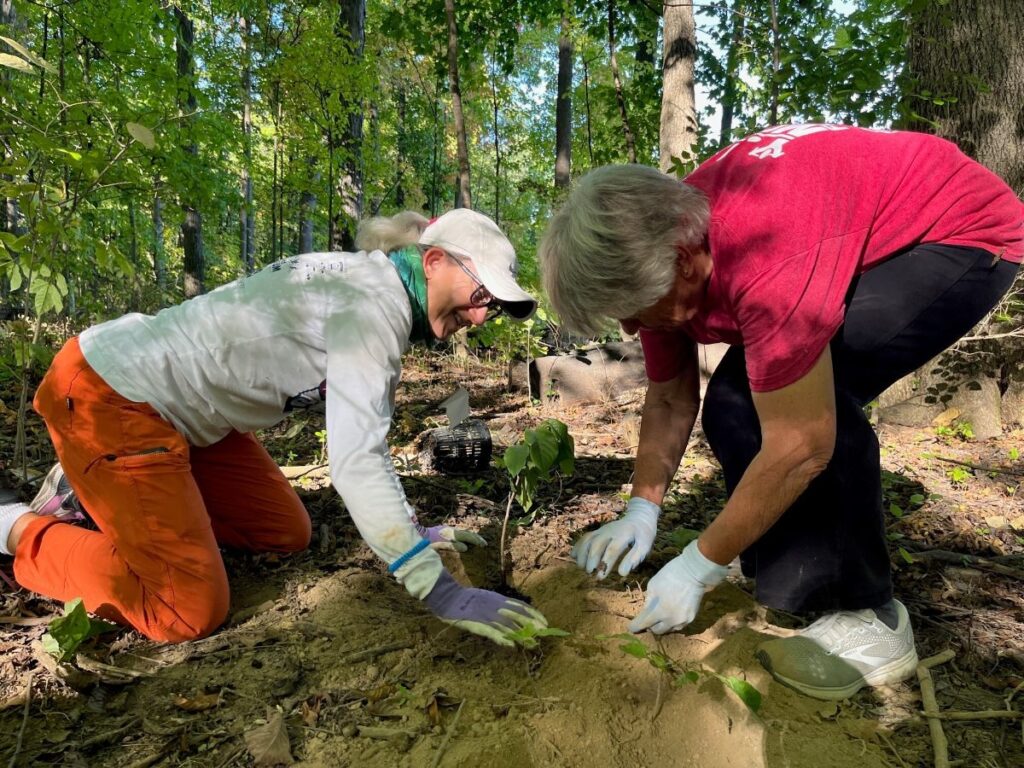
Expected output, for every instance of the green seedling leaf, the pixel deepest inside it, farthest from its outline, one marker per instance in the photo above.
(687, 678)
(515, 458)
(527, 635)
(630, 644)
(748, 694)
(906, 555)
(66, 633)
(895, 510)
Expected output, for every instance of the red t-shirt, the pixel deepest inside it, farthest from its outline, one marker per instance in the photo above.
(798, 211)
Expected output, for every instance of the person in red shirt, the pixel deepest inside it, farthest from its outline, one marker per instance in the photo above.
(834, 260)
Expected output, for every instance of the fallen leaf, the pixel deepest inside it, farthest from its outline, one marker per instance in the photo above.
(200, 703)
(268, 744)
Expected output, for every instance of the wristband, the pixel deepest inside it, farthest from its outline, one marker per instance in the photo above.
(419, 547)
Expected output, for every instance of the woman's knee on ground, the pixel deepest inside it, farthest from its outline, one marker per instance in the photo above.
(195, 620)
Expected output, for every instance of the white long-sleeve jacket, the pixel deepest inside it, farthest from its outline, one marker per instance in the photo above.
(247, 354)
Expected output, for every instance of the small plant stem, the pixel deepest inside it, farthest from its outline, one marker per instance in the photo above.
(504, 532)
(658, 701)
(447, 736)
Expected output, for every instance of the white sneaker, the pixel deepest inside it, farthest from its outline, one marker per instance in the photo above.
(842, 652)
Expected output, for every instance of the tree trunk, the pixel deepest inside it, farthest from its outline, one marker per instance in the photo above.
(246, 216)
(402, 142)
(351, 26)
(773, 110)
(157, 246)
(732, 72)
(192, 225)
(678, 104)
(971, 51)
(497, 146)
(463, 197)
(563, 108)
(307, 206)
(620, 97)
(590, 130)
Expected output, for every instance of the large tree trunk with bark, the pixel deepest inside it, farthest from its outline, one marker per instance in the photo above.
(463, 196)
(971, 51)
(351, 26)
(563, 108)
(678, 103)
(192, 225)
(965, 82)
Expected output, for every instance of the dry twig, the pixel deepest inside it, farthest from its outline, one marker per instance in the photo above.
(24, 722)
(931, 707)
(447, 736)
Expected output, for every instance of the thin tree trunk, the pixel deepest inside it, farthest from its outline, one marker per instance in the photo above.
(246, 216)
(678, 104)
(497, 146)
(307, 207)
(192, 225)
(563, 106)
(620, 97)
(351, 26)
(402, 140)
(729, 93)
(159, 262)
(590, 131)
(463, 197)
(773, 110)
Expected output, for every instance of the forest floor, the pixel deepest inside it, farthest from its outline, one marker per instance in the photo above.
(327, 661)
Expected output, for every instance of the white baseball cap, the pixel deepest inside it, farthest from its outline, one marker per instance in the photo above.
(470, 235)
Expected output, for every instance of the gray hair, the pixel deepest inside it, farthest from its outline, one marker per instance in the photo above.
(611, 250)
(389, 233)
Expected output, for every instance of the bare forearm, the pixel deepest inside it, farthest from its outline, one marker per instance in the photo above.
(663, 439)
(772, 482)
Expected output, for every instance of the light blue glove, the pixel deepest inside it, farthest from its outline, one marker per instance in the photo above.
(634, 532)
(674, 593)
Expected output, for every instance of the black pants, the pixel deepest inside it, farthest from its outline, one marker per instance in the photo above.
(828, 550)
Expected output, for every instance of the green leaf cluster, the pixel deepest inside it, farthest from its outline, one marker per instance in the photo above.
(544, 451)
(66, 633)
(633, 646)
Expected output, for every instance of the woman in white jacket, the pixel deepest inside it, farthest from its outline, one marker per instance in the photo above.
(152, 418)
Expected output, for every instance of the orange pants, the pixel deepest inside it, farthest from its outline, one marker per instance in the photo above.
(161, 506)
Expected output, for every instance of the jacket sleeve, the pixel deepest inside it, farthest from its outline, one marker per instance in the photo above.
(365, 342)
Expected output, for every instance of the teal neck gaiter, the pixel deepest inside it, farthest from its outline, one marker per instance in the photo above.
(409, 264)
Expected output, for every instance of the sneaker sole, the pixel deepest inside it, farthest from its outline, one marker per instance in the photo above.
(47, 490)
(895, 671)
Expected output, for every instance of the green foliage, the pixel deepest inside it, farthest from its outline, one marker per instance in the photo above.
(510, 339)
(66, 633)
(962, 430)
(527, 636)
(679, 675)
(544, 451)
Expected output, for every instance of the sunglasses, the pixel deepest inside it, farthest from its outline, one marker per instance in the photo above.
(480, 297)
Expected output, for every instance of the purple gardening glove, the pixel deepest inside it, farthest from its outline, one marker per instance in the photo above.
(447, 537)
(480, 611)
